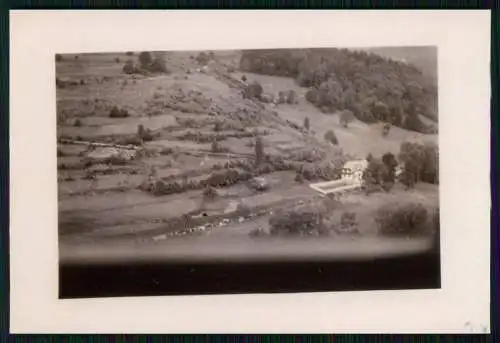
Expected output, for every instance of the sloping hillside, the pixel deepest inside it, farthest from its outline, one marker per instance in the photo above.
(195, 141)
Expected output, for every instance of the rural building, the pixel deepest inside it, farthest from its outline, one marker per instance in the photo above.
(353, 170)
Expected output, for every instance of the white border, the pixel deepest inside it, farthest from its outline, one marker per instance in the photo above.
(464, 49)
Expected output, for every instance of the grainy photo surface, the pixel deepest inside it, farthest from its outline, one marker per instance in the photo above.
(287, 170)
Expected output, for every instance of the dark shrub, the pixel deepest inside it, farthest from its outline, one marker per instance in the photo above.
(243, 78)
(331, 137)
(306, 123)
(218, 126)
(77, 123)
(259, 150)
(129, 67)
(253, 90)
(59, 57)
(346, 117)
(158, 66)
(291, 97)
(390, 162)
(144, 134)
(226, 178)
(409, 219)
(129, 53)
(115, 112)
(159, 187)
(299, 178)
(215, 147)
(117, 59)
(145, 59)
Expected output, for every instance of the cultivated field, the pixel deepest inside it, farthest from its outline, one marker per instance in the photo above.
(105, 197)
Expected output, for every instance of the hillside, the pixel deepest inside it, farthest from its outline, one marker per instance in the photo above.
(191, 134)
(373, 87)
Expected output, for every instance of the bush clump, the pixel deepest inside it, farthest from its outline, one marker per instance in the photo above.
(302, 220)
(291, 97)
(130, 68)
(116, 112)
(348, 222)
(253, 91)
(410, 219)
(159, 187)
(227, 178)
(331, 137)
(144, 134)
(158, 65)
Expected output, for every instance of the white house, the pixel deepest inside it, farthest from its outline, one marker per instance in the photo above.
(353, 170)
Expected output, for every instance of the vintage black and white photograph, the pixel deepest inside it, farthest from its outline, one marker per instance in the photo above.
(234, 158)
(249, 171)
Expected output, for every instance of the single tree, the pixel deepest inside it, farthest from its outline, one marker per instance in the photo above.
(306, 123)
(129, 67)
(330, 137)
(298, 177)
(215, 146)
(385, 129)
(346, 117)
(390, 163)
(145, 59)
(259, 150)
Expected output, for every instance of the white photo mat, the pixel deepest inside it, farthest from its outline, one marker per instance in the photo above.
(463, 41)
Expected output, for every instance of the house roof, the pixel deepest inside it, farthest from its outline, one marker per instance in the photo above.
(356, 164)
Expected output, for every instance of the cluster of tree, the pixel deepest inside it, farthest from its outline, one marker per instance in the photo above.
(409, 219)
(380, 172)
(147, 63)
(372, 87)
(420, 163)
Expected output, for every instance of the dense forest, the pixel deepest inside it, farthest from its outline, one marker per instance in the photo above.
(372, 87)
